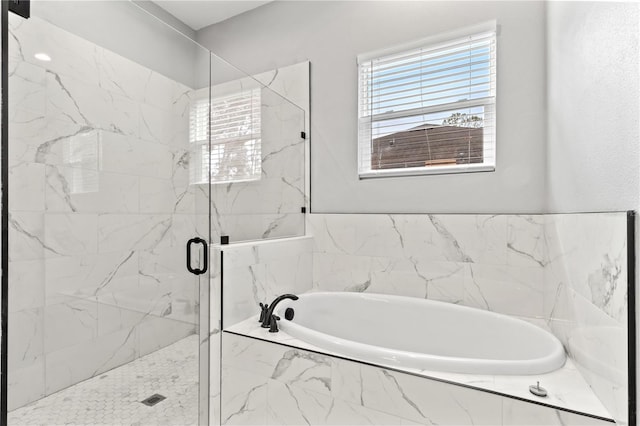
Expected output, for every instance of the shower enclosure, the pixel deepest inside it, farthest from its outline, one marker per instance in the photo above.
(131, 150)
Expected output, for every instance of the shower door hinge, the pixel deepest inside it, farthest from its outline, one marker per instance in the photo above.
(303, 210)
(20, 7)
(303, 135)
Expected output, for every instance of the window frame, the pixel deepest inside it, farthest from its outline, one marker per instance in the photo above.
(365, 122)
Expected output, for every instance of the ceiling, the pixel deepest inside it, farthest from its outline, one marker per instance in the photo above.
(200, 13)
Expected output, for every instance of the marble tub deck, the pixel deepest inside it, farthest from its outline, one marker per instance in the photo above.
(567, 388)
(113, 398)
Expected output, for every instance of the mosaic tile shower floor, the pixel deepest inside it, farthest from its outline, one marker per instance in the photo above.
(113, 398)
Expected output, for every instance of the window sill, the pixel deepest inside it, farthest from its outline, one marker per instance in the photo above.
(434, 170)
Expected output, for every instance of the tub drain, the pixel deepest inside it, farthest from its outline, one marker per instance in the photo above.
(537, 390)
(153, 399)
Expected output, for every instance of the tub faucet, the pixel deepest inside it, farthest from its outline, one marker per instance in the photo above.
(266, 321)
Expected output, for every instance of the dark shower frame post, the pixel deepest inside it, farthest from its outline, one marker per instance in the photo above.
(632, 392)
(4, 187)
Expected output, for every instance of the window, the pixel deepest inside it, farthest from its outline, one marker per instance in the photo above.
(233, 122)
(428, 108)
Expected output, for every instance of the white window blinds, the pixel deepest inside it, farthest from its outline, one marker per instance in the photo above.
(429, 109)
(234, 124)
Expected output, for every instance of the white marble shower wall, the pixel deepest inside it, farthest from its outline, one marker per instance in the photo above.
(586, 299)
(100, 208)
(493, 262)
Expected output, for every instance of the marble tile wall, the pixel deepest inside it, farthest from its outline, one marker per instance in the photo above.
(270, 384)
(586, 299)
(569, 270)
(253, 272)
(100, 208)
(493, 262)
(261, 271)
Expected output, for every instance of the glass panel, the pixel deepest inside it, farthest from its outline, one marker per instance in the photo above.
(244, 211)
(267, 205)
(103, 313)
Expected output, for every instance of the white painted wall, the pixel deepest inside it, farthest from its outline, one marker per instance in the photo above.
(331, 34)
(165, 16)
(593, 100)
(126, 29)
(593, 97)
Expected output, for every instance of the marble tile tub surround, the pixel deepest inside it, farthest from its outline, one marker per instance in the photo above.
(253, 272)
(566, 269)
(586, 299)
(100, 204)
(267, 383)
(493, 262)
(258, 272)
(567, 388)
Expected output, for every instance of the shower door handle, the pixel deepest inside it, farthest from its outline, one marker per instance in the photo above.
(197, 271)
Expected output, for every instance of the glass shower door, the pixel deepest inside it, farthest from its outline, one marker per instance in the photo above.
(257, 172)
(105, 314)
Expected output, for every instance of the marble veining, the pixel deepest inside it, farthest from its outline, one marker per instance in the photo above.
(451, 245)
(259, 389)
(586, 299)
(304, 369)
(258, 272)
(475, 260)
(567, 388)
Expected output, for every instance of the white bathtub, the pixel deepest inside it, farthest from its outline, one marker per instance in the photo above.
(422, 334)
